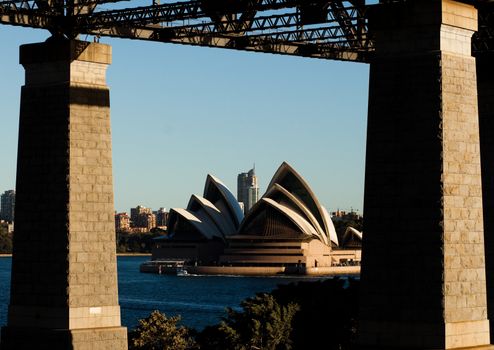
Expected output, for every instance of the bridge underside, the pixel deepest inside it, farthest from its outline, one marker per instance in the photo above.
(325, 29)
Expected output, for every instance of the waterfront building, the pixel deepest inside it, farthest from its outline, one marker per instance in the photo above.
(7, 205)
(142, 218)
(350, 250)
(139, 230)
(352, 238)
(135, 212)
(247, 189)
(7, 226)
(147, 221)
(161, 218)
(199, 232)
(287, 227)
(122, 222)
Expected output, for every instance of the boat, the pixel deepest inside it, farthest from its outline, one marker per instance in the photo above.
(181, 271)
(168, 267)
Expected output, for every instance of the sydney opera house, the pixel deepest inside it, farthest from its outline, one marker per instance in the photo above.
(287, 227)
(199, 233)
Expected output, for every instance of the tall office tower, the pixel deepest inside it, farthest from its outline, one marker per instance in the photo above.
(136, 212)
(7, 205)
(161, 217)
(247, 189)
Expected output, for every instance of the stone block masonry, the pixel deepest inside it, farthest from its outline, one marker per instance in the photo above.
(64, 276)
(485, 83)
(423, 268)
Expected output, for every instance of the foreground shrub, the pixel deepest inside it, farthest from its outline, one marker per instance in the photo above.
(158, 332)
(262, 324)
(328, 312)
(298, 316)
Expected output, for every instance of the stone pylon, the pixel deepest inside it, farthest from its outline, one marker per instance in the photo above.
(64, 275)
(485, 84)
(423, 270)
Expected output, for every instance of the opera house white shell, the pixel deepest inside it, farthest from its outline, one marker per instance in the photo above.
(290, 202)
(216, 215)
(288, 227)
(199, 233)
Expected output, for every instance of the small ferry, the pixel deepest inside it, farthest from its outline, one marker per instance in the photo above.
(181, 271)
(168, 267)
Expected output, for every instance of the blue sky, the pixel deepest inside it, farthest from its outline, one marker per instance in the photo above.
(181, 112)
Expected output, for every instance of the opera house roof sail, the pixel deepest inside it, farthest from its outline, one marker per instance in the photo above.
(217, 192)
(291, 196)
(216, 215)
(289, 209)
(286, 230)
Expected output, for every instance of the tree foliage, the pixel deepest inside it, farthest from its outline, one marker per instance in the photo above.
(135, 242)
(158, 332)
(262, 324)
(298, 316)
(5, 241)
(328, 312)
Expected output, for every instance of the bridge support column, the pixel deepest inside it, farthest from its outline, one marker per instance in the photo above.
(64, 274)
(485, 72)
(423, 273)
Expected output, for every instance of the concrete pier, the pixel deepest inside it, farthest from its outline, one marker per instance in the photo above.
(423, 270)
(64, 278)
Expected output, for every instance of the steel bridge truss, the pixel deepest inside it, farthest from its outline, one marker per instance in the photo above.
(328, 29)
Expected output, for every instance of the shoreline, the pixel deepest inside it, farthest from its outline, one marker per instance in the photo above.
(168, 268)
(273, 271)
(133, 254)
(118, 254)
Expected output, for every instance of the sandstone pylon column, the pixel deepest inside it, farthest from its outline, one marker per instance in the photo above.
(485, 85)
(423, 272)
(64, 278)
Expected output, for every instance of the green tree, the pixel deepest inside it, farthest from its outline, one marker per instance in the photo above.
(328, 314)
(158, 332)
(5, 241)
(135, 242)
(262, 324)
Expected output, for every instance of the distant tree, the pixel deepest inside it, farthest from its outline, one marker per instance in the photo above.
(262, 324)
(5, 241)
(158, 332)
(135, 242)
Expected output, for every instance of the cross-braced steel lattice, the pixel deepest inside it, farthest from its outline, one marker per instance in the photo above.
(330, 29)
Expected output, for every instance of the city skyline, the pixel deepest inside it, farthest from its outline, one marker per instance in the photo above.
(177, 112)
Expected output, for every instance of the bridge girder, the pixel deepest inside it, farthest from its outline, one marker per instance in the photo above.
(328, 29)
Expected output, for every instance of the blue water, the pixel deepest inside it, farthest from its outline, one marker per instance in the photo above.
(200, 300)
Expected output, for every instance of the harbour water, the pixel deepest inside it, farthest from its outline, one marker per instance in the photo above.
(200, 300)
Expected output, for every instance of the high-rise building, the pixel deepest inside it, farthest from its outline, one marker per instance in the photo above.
(147, 221)
(122, 222)
(7, 203)
(161, 217)
(136, 212)
(247, 189)
(142, 217)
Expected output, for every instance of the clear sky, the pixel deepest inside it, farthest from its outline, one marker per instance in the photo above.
(181, 112)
